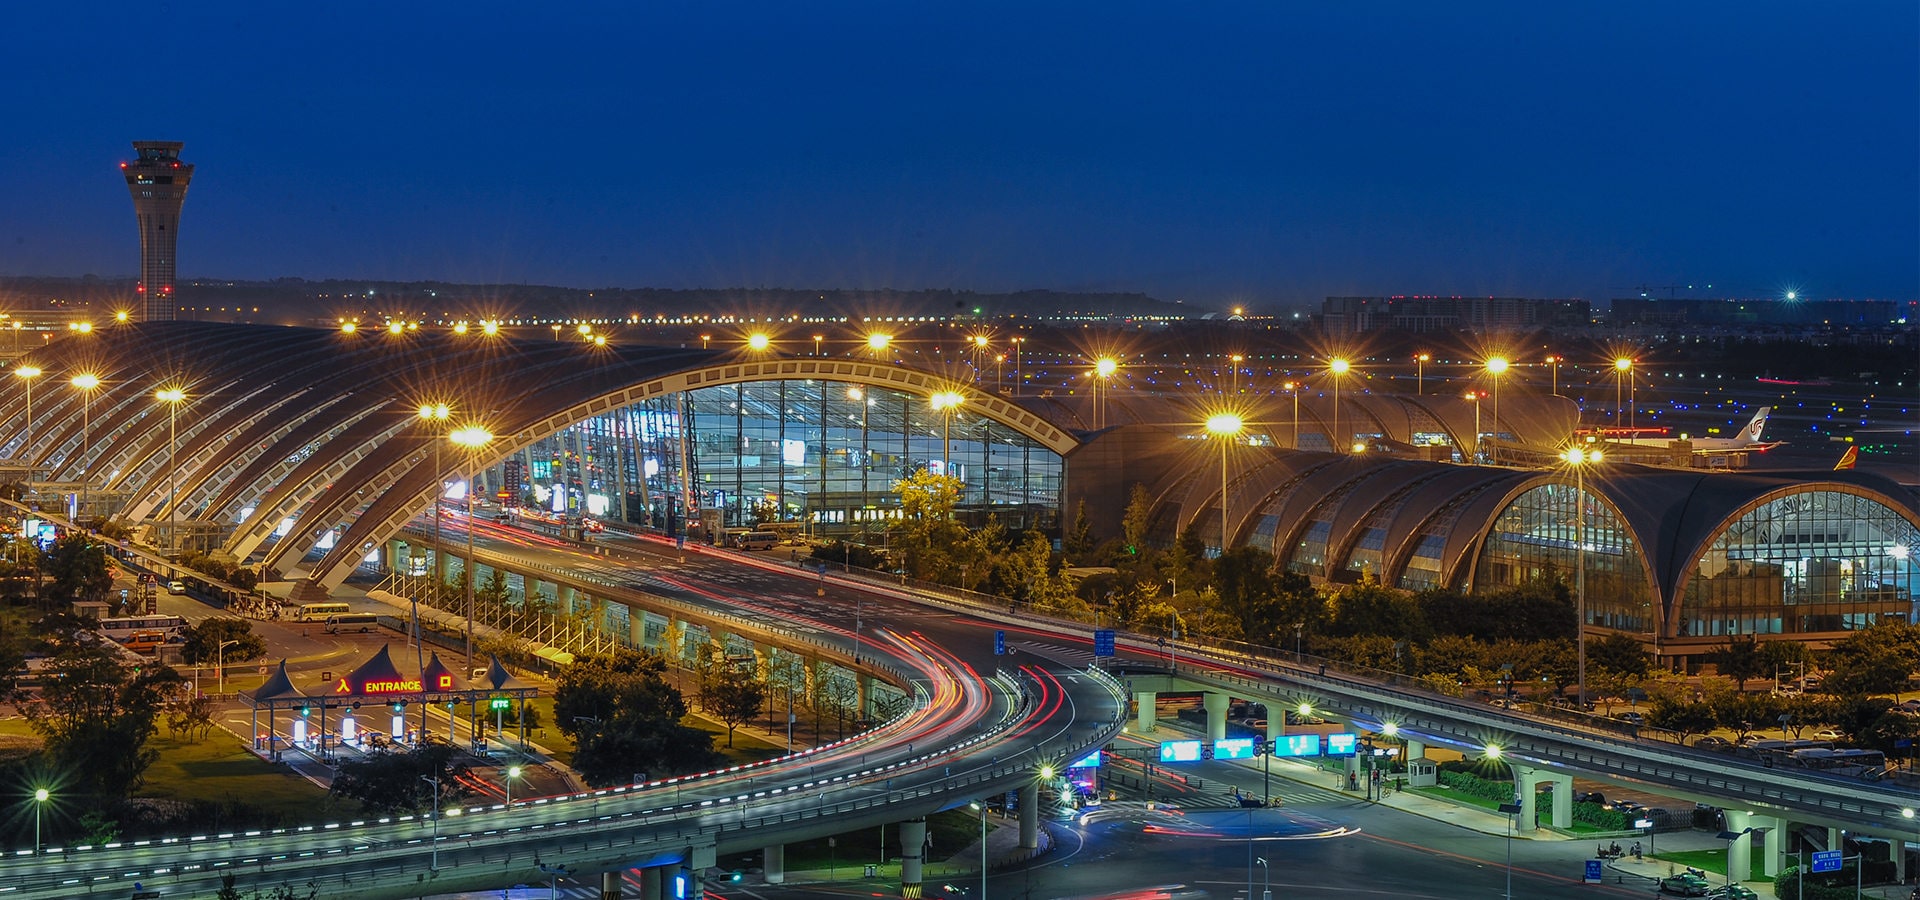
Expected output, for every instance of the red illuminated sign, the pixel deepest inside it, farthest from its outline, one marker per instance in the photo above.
(404, 686)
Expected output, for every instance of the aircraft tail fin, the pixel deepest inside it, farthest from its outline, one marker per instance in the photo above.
(1757, 425)
(1847, 459)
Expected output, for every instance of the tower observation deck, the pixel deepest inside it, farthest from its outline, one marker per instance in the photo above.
(158, 180)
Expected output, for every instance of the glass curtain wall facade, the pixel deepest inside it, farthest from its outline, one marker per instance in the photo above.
(807, 456)
(1805, 562)
(1534, 538)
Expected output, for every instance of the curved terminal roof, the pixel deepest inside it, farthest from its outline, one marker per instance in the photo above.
(319, 426)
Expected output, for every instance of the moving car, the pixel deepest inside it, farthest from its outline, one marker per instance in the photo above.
(176, 587)
(1716, 744)
(1686, 884)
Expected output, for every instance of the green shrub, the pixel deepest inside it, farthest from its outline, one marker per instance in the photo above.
(1475, 786)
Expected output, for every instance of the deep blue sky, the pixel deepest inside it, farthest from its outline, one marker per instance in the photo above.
(1259, 152)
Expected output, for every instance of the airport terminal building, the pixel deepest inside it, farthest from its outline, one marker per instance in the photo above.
(304, 450)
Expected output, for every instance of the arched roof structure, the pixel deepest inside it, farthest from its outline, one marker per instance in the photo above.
(319, 426)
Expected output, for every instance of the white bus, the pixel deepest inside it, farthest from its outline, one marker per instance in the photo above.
(318, 612)
(123, 629)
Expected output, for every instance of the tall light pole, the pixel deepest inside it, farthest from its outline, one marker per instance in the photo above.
(1420, 373)
(433, 414)
(172, 397)
(512, 773)
(1554, 362)
(433, 865)
(471, 439)
(1016, 341)
(945, 403)
(1580, 458)
(1731, 837)
(1293, 387)
(759, 342)
(40, 797)
(86, 382)
(1266, 879)
(1475, 397)
(1496, 367)
(1104, 367)
(1622, 368)
(1237, 358)
(982, 808)
(220, 661)
(1224, 427)
(1337, 368)
(1511, 810)
(27, 374)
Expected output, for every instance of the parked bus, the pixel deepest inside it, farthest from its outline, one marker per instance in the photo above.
(123, 629)
(146, 641)
(318, 612)
(361, 622)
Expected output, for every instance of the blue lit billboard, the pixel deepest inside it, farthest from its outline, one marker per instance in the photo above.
(1090, 761)
(1297, 745)
(1345, 743)
(1179, 751)
(1234, 748)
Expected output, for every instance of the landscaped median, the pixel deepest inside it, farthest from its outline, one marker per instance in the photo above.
(1469, 789)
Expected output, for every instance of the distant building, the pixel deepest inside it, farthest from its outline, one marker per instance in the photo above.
(1646, 311)
(157, 179)
(1423, 315)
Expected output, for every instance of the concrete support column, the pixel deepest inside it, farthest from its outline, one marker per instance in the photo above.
(636, 627)
(1029, 815)
(653, 881)
(1526, 783)
(1416, 750)
(1898, 847)
(1834, 839)
(1147, 714)
(1276, 723)
(1740, 849)
(1216, 705)
(773, 864)
(863, 691)
(564, 593)
(1774, 844)
(1562, 800)
(913, 849)
(397, 555)
(610, 885)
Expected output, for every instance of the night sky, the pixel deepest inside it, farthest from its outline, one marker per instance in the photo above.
(1265, 153)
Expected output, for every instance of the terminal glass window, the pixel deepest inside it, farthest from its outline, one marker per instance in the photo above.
(1534, 539)
(1813, 561)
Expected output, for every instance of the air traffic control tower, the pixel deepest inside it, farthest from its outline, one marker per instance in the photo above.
(158, 182)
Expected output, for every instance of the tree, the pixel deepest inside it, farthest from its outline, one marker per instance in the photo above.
(1617, 653)
(385, 781)
(98, 715)
(1134, 522)
(1370, 609)
(1740, 660)
(624, 718)
(1875, 661)
(203, 641)
(736, 696)
(1687, 717)
(1743, 713)
(192, 718)
(1079, 539)
(836, 697)
(77, 568)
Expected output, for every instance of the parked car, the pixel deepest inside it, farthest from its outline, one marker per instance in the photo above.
(1590, 797)
(1686, 884)
(1716, 744)
(1632, 718)
(1829, 734)
(1732, 892)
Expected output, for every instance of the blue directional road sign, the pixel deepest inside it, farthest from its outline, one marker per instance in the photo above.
(1826, 861)
(1593, 872)
(1103, 642)
(999, 643)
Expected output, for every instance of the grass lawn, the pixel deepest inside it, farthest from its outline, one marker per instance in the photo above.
(746, 748)
(1714, 861)
(1544, 811)
(219, 769)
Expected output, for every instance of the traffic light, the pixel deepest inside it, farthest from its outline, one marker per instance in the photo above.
(305, 710)
(399, 706)
(356, 705)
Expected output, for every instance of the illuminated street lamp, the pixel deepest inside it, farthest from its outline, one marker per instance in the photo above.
(28, 374)
(172, 397)
(1237, 359)
(1016, 341)
(1579, 458)
(1337, 368)
(1225, 427)
(817, 339)
(512, 773)
(759, 341)
(1293, 387)
(1420, 373)
(1554, 362)
(878, 342)
(490, 327)
(87, 382)
(471, 439)
(1104, 367)
(1510, 810)
(1475, 397)
(1496, 367)
(349, 327)
(945, 403)
(433, 414)
(1623, 370)
(40, 797)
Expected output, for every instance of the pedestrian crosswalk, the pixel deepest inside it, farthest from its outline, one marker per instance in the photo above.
(1076, 657)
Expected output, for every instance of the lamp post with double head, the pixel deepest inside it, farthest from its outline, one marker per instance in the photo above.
(433, 414)
(1509, 810)
(1103, 369)
(946, 403)
(40, 797)
(1420, 373)
(1496, 367)
(471, 439)
(220, 661)
(1579, 458)
(1622, 370)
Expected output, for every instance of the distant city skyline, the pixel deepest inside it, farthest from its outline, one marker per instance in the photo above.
(1268, 157)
